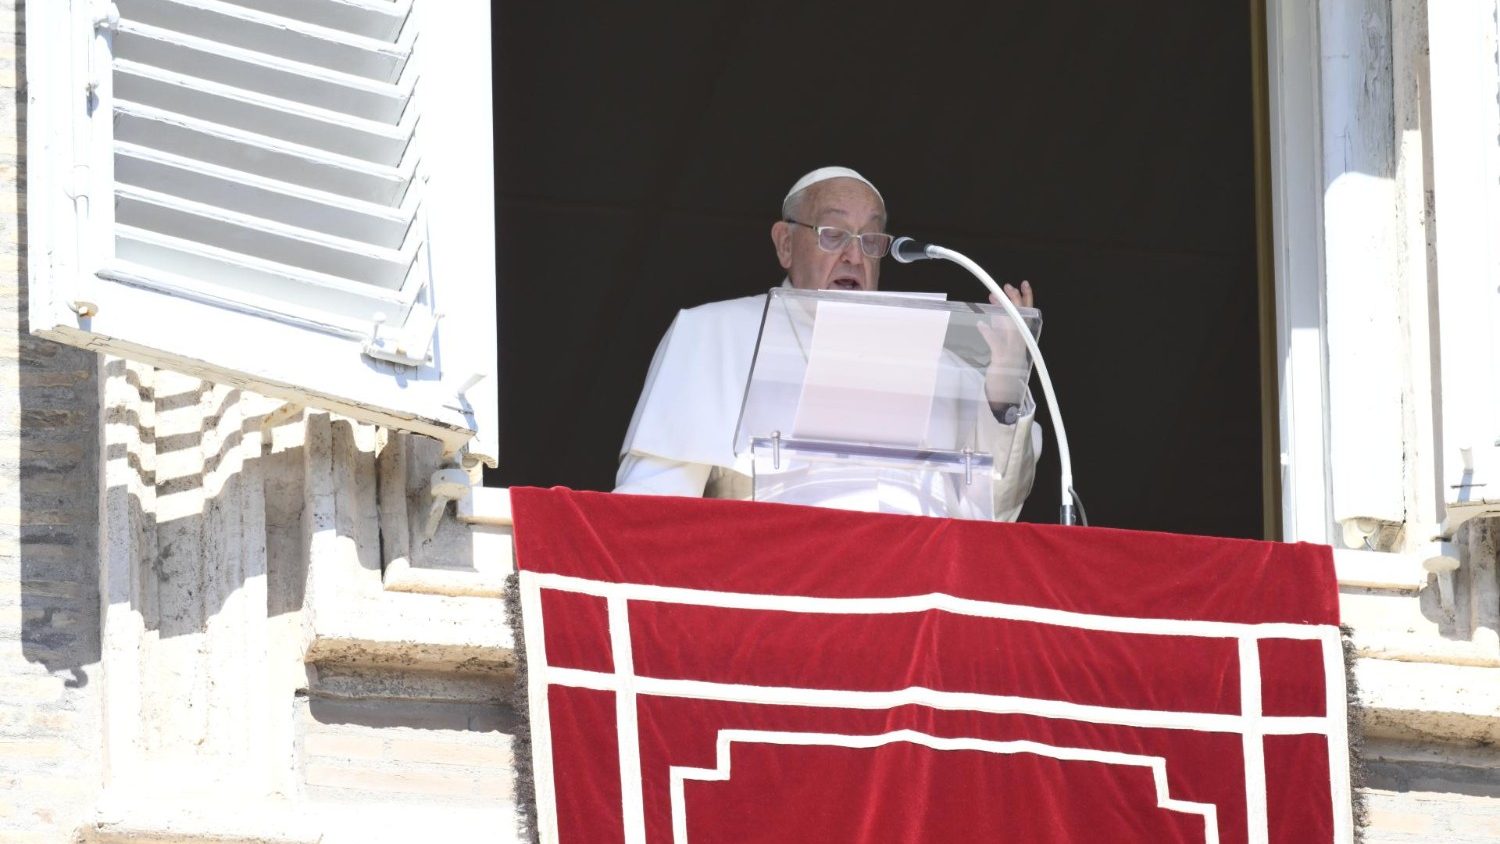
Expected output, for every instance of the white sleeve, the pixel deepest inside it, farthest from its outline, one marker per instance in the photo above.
(1012, 487)
(691, 399)
(1019, 445)
(643, 474)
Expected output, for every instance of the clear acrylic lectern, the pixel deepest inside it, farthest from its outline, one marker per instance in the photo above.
(878, 402)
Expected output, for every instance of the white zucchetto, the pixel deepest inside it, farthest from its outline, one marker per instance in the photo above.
(823, 174)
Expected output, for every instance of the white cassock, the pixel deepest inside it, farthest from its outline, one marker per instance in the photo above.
(681, 438)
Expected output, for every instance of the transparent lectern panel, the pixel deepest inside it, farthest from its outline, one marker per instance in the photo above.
(873, 479)
(886, 370)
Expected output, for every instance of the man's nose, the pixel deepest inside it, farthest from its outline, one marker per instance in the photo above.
(852, 251)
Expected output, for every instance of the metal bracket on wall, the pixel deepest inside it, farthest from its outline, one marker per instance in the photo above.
(1446, 561)
(447, 485)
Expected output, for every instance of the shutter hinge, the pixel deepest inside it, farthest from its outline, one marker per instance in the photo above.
(78, 190)
(106, 16)
(106, 19)
(78, 183)
(411, 345)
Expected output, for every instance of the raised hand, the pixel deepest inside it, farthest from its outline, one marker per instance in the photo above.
(1007, 353)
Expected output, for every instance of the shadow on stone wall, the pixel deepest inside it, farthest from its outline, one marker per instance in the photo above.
(205, 532)
(58, 492)
(1468, 776)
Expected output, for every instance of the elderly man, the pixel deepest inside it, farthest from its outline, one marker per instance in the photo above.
(831, 236)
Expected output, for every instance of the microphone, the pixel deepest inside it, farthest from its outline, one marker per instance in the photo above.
(905, 250)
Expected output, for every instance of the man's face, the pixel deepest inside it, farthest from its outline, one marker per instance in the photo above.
(843, 203)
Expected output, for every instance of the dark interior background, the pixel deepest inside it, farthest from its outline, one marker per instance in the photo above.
(1101, 150)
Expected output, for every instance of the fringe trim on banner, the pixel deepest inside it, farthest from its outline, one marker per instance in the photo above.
(525, 789)
(1356, 712)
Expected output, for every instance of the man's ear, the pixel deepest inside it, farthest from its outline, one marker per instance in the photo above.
(781, 236)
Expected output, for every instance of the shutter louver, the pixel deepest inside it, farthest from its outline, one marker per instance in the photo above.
(240, 190)
(264, 154)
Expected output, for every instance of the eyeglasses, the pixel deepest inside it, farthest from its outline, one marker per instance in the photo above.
(832, 239)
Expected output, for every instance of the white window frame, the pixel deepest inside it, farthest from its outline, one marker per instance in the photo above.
(79, 296)
(1297, 225)
(1410, 432)
(1466, 194)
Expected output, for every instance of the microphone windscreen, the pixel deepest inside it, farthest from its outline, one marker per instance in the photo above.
(905, 250)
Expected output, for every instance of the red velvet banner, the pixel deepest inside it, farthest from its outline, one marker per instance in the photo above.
(714, 671)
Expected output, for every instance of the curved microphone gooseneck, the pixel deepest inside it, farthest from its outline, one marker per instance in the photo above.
(905, 250)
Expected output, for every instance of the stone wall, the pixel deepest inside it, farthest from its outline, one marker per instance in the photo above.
(49, 502)
(1430, 682)
(263, 682)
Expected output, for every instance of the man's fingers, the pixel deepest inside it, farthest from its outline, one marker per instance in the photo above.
(1021, 297)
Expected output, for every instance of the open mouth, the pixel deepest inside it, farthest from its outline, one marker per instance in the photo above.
(846, 283)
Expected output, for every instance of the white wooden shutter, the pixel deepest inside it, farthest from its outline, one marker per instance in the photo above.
(1465, 149)
(290, 195)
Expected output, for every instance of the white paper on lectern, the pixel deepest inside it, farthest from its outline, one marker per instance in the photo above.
(899, 294)
(871, 374)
